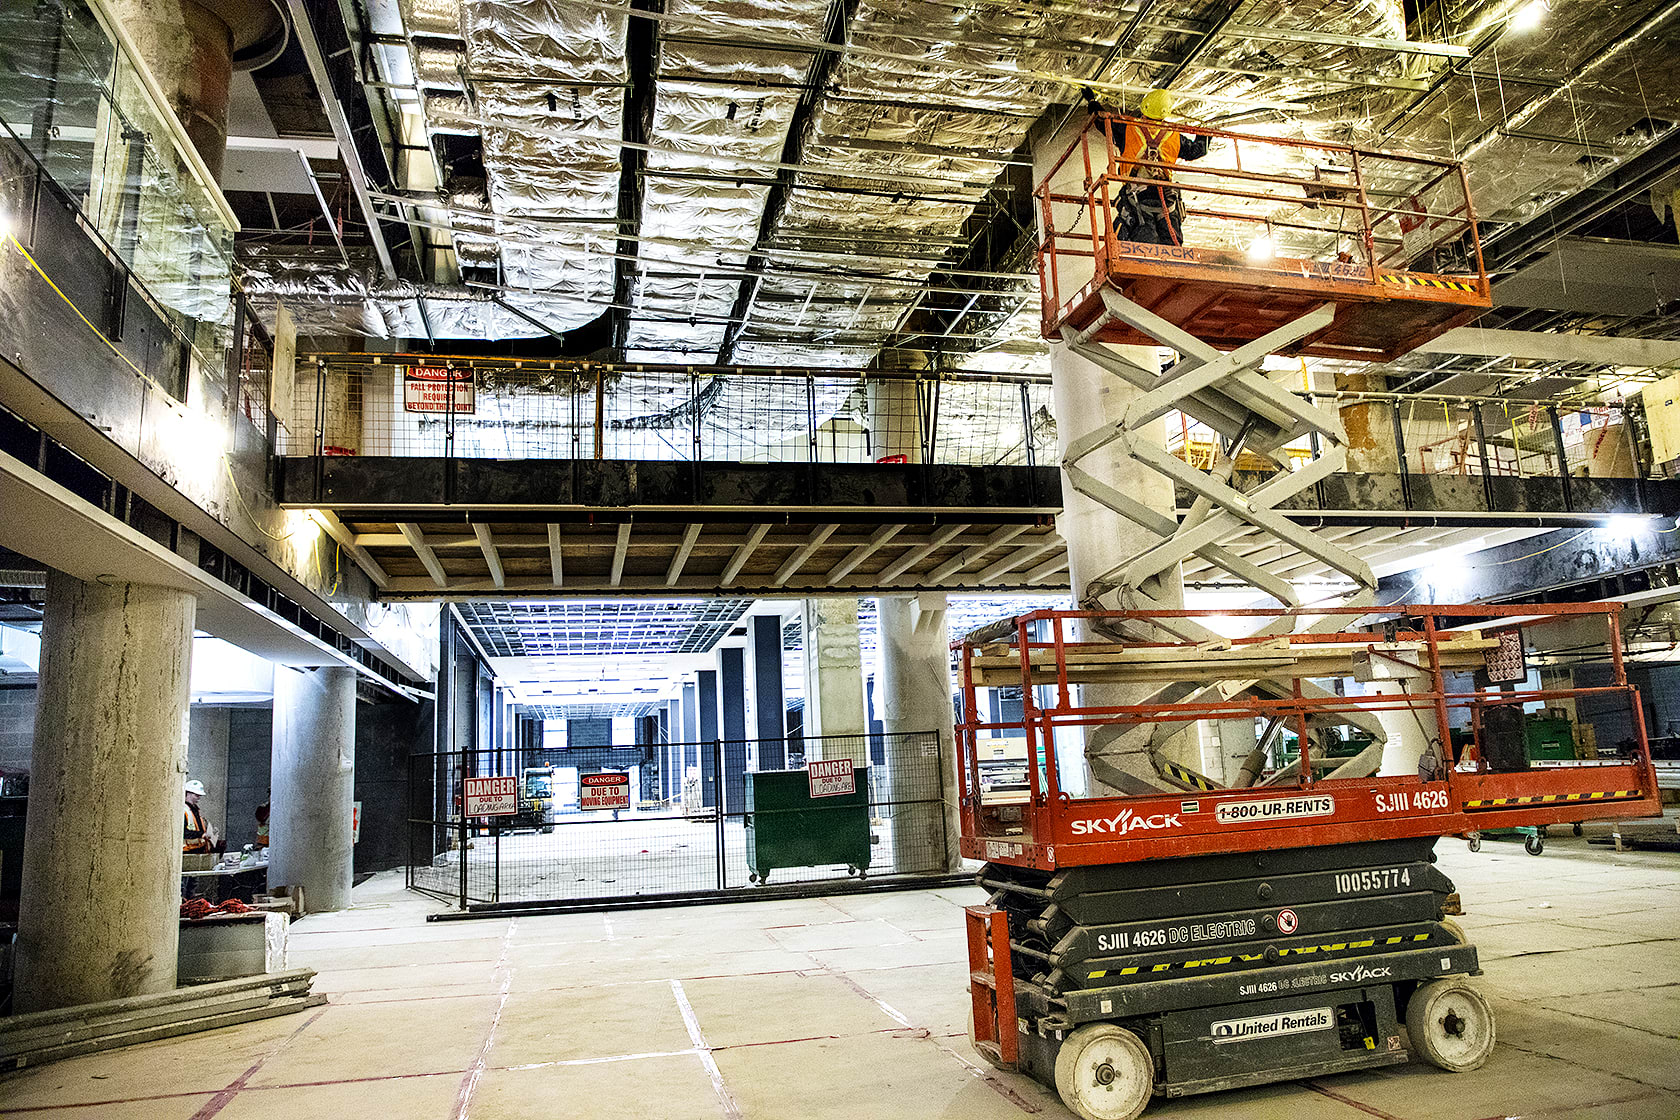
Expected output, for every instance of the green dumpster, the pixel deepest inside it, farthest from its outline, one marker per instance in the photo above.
(787, 827)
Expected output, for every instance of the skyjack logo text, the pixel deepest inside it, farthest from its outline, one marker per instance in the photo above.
(1125, 823)
(1360, 975)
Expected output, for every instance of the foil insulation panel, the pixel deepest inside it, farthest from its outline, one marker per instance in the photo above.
(720, 109)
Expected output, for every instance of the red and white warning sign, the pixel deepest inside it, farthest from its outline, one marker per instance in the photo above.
(438, 389)
(1288, 922)
(832, 777)
(491, 797)
(604, 791)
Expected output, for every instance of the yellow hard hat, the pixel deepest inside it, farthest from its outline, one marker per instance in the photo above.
(1157, 103)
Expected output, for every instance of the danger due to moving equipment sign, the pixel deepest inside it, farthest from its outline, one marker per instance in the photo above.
(831, 777)
(604, 791)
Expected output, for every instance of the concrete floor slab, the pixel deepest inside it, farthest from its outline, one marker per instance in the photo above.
(671, 1087)
(379, 1040)
(1650, 1059)
(387, 1096)
(1586, 983)
(741, 1010)
(173, 1108)
(900, 1076)
(194, 1062)
(537, 1027)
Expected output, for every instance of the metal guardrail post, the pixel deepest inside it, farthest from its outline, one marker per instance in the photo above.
(717, 806)
(1562, 459)
(1400, 457)
(1482, 456)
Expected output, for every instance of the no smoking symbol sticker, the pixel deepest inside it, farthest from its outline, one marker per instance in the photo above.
(1287, 921)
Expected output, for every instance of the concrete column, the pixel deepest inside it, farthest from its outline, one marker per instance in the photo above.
(1409, 732)
(314, 778)
(101, 888)
(1087, 397)
(895, 419)
(770, 717)
(1370, 427)
(834, 681)
(915, 689)
(188, 47)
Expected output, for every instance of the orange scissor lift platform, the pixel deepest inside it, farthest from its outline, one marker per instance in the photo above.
(1043, 826)
(1272, 229)
(1286, 921)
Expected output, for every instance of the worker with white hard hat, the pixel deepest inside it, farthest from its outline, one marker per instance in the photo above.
(197, 834)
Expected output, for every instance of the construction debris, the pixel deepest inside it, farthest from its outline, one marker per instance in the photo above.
(47, 1036)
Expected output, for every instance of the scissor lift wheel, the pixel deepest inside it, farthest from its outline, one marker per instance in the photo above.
(1450, 1025)
(1105, 1072)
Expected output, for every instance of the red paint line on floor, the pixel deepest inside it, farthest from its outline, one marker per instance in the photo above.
(220, 1101)
(1349, 1101)
(726, 1099)
(469, 1083)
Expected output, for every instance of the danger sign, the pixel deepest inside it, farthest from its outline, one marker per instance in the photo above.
(438, 389)
(491, 797)
(831, 777)
(604, 791)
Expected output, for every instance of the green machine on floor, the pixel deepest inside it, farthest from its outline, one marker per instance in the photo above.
(1545, 737)
(787, 827)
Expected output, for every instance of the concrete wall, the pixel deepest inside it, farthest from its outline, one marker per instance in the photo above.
(386, 736)
(207, 762)
(17, 726)
(249, 757)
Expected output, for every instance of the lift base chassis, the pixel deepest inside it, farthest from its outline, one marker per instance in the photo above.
(1234, 970)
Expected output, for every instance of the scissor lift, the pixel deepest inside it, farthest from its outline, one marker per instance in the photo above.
(1195, 934)
(1270, 927)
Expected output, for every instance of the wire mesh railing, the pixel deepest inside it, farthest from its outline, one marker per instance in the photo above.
(699, 820)
(442, 408)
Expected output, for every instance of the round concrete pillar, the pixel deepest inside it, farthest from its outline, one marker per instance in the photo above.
(99, 915)
(895, 418)
(914, 688)
(313, 783)
(834, 704)
(1369, 426)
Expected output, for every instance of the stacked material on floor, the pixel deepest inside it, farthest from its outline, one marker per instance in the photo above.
(47, 1036)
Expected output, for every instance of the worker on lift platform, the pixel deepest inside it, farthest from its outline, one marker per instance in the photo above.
(1152, 212)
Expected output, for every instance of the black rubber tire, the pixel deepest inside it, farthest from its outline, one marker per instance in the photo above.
(1450, 1025)
(1105, 1072)
(1534, 845)
(1475, 843)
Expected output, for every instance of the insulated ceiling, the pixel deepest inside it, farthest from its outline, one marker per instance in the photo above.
(794, 182)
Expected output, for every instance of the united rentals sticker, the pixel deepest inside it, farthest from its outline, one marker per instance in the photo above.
(1272, 1026)
(1275, 809)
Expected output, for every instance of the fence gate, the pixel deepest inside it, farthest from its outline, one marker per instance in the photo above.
(582, 835)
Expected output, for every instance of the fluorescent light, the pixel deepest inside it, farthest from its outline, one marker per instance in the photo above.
(1262, 248)
(1530, 16)
(1625, 525)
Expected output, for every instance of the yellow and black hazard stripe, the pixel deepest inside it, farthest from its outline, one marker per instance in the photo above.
(1181, 774)
(1413, 280)
(1551, 799)
(1193, 963)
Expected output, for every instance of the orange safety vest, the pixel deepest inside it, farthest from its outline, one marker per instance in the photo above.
(1158, 145)
(193, 829)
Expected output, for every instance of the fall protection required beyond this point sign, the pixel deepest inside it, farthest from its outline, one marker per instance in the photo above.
(439, 389)
(831, 777)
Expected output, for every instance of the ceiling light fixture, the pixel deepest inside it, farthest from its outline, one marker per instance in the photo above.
(1262, 248)
(1530, 16)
